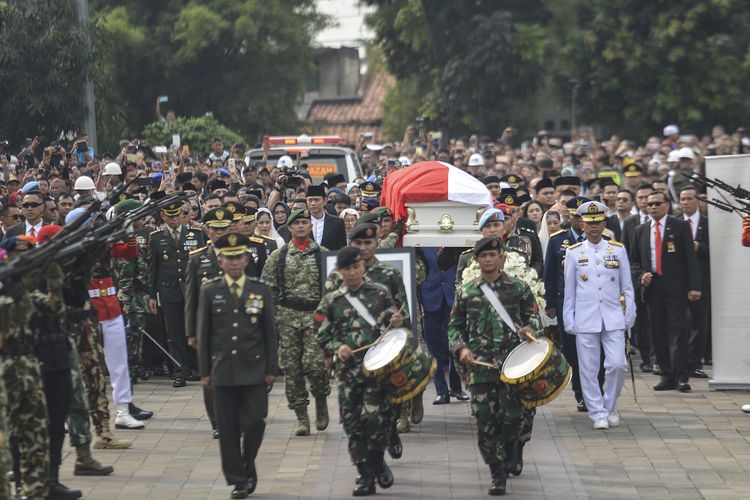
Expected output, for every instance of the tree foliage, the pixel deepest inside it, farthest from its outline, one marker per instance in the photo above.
(196, 132)
(43, 58)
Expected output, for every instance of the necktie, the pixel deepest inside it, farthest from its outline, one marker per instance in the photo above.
(690, 223)
(580, 238)
(32, 231)
(235, 289)
(657, 244)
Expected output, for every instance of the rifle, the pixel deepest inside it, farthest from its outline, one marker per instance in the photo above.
(740, 194)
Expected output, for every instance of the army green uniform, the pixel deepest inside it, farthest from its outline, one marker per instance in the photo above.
(388, 241)
(237, 348)
(365, 414)
(27, 405)
(295, 284)
(475, 324)
(6, 461)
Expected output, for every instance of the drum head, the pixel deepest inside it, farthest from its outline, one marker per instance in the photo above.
(525, 358)
(386, 351)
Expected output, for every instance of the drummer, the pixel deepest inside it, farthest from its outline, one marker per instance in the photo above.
(476, 331)
(365, 237)
(350, 317)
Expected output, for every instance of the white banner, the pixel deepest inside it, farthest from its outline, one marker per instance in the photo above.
(730, 279)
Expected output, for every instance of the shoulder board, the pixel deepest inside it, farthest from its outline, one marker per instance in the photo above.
(197, 250)
(266, 237)
(616, 243)
(576, 245)
(467, 252)
(155, 231)
(255, 239)
(214, 280)
(561, 231)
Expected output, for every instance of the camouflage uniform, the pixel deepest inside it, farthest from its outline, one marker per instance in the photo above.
(27, 405)
(388, 241)
(475, 324)
(365, 414)
(130, 277)
(79, 426)
(6, 461)
(296, 292)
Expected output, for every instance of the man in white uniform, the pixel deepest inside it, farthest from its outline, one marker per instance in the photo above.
(597, 280)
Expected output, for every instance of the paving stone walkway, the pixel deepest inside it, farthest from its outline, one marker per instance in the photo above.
(671, 445)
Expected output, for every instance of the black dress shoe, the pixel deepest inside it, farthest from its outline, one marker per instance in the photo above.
(461, 396)
(581, 406)
(138, 413)
(647, 368)
(683, 387)
(240, 491)
(665, 385)
(179, 382)
(194, 376)
(698, 373)
(145, 374)
(59, 491)
(216, 434)
(442, 400)
(251, 484)
(656, 370)
(395, 448)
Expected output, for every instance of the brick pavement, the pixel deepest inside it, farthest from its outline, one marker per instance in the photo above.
(672, 445)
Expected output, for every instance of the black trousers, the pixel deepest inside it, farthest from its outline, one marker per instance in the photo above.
(699, 328)
(436, 338)
(208, 402)
(58, 390)
(173, 314)
(240, 411)
(153, 358)
(669, 327)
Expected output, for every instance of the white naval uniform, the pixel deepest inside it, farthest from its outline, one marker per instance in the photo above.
(595, 276)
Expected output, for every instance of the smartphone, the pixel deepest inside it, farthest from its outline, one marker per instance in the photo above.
(130, 158)
(160, 150)
(185, 150)
(163, 98)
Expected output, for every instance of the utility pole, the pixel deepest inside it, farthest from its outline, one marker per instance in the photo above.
(573, 98)
(89, 117)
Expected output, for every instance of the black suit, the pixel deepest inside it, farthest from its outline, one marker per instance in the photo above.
(17, 230)
(700, 310)
(613, 224)
(628, 228)
(642, 337)
(238, 347)
(334, 234)
(666, 297)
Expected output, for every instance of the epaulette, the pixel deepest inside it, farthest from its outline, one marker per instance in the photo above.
(155, 231)
(255, 239)
(216, 278)
(616, 243)
(467, 251)
(266, 237)
(561, 231)
(197, 250)
(575, 245)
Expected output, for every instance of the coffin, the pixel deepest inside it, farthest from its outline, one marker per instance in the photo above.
(442, 224)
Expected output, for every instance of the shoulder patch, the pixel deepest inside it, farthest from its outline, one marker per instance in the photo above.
(575, 245)
(616, 243)
(561, 231)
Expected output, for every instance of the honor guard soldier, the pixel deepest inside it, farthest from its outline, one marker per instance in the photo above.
(168, 252)
(597, 279)
(203, 265)
(238, 347)
(478, 331)
(349, 318)
(294, 274)
(243, 222)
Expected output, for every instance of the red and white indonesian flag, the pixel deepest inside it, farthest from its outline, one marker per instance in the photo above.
(431, 181)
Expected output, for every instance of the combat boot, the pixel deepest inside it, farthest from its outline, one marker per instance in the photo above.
(383, 474)
(417, 409)
(59, 491)
(511, 457)
(395, 447)
(518, 467)
(365, 483)
(497, 488)
(125, 420)
(303, 422)
(402, 425)
(321, 414)
(108, 442)
(86, 465)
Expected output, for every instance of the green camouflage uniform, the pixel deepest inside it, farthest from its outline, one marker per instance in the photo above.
(365, 414)
(131, 279)
(295, 285)
(6, 461)
(79, 426)
(475, 324)
(388, 241)
(27, 405)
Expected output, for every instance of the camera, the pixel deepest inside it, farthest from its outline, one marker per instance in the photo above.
(292, 178)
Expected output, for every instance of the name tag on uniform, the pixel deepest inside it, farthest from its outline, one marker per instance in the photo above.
(583, 261)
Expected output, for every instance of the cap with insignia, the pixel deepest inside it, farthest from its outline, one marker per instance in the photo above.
(633, 170)
(316, 191)
(126, 206)
(348, 256)
(508, 197)
(512, 179)
(370, 190)
(490, 179)
(365, 231)
(250, 213)
(232, 244)
(576, 202)
(173, 209)
(372, 217)
(485, 244)
(592, 211)
(544, 183)
(300, 213)
(567, 180)
(235, 209)
(491, 215)
(217, 218)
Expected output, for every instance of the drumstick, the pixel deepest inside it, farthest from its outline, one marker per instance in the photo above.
(365, 347)
(483, 363)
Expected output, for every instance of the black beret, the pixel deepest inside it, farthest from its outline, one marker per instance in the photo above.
(576, 202)
(364, 231)
(490, 178)
(347, 256)
(491, 243)
(606, 181)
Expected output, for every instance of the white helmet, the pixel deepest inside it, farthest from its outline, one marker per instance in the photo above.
(674, 156)
(84, 183)
(476, 160)
(687, 153)
(112, 168)
(285, 162)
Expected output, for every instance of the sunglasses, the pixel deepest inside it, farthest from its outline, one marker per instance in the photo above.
(31, 205)
(655, 203)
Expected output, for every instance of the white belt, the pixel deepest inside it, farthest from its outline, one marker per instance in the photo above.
(102, 292)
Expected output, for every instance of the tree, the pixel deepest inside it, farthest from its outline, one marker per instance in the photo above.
(42, 61)
(195, 132)
(472, 60)
(644, 64)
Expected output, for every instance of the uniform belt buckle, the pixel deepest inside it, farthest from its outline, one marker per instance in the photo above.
(103, 292)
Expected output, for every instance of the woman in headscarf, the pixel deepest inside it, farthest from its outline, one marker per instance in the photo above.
(280, 212)
(350, 217)
(264, 226)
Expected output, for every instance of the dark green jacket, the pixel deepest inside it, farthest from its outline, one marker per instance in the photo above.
(237, 341)
(167, 262)
(203, 265)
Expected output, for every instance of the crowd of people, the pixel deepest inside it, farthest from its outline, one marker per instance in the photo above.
(223, 286)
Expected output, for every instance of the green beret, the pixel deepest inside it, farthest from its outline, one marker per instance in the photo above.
(126, 206)
(372, 217)
(366, 231)
(300, 213)
(384, 212)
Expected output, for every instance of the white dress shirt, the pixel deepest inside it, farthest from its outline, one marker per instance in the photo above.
(662, 224)
(37, 227)
(317, 230)
(693, 220)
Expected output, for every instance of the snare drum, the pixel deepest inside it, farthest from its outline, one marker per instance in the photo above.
(538, 370)
(386, 356)
(414, 372)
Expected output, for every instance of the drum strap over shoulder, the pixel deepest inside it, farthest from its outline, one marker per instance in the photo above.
(497, 306)
(360, 308)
